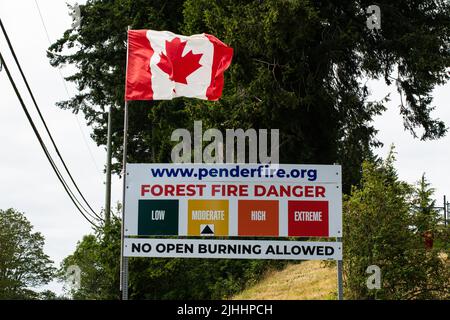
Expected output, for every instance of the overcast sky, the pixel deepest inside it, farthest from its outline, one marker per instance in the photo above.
(27, 182)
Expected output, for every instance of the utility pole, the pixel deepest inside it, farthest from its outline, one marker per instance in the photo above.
(124, 260)
(445, 210)
(108, 170)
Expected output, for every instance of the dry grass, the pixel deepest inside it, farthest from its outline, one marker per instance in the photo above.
(309, 280)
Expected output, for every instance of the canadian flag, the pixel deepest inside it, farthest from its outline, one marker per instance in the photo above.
(163, 65)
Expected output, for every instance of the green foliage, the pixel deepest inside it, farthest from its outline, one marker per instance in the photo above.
(425, 216)
(23, 263)
(298, 66)
(427, 219)
(97, 257)
(195, 278)
(379, 230)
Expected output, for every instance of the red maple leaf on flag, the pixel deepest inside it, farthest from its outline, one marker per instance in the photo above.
(174, 64)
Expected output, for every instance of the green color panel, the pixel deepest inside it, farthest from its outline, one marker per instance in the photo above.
(158, 218)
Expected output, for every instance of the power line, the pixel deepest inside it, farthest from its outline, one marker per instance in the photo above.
(41, 142)
(43, 120)
(42, 19)
(65, 87)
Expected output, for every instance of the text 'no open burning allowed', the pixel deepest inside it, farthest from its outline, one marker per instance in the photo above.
(233, 249)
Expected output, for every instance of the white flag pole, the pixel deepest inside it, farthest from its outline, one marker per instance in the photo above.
(124, 260)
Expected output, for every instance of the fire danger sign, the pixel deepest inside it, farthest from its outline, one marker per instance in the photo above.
(238, 200)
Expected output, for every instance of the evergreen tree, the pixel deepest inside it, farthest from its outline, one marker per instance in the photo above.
(426, 217)
(378, 231)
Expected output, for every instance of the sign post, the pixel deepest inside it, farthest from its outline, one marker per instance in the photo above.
(340, 283)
